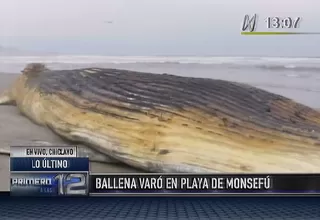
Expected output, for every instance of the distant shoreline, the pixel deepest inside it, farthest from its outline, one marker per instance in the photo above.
(46, 54)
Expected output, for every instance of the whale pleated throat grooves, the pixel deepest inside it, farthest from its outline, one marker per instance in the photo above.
(168, 123)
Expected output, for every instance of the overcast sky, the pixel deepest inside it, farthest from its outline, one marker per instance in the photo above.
(155, 27)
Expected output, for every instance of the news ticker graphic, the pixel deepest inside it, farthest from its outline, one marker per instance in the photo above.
(80, 183)
(107, 184)
(58, 171)
(48, 171)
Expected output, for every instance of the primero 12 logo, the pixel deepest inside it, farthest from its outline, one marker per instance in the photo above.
(72, 184)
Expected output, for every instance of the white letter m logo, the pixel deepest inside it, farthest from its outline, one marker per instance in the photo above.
(249, 24)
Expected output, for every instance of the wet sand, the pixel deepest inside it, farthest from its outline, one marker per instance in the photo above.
(15, 128)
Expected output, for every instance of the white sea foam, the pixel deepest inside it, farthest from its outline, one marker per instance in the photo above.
(285, 62)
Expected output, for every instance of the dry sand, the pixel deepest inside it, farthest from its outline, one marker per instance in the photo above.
(15, 128)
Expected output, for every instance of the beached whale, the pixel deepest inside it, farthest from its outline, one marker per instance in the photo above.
(167, 123)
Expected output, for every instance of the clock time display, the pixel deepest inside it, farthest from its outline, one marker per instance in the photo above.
(288, 22)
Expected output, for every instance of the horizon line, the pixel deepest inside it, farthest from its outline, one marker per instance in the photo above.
(278, 33)
(202, 56)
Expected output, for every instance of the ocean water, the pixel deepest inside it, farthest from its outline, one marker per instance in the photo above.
(295, 78)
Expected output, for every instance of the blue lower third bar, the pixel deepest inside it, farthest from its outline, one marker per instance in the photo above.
(49, 164)
(49, 184)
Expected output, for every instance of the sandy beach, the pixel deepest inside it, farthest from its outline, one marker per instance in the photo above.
(16, 128)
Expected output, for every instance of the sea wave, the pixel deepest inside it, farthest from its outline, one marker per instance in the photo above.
(289, 87)
(264, 63)
(291, 67)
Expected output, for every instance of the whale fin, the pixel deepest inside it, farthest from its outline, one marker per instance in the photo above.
(5, 99)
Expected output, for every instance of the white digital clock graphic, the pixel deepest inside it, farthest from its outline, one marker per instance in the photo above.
(287, 22)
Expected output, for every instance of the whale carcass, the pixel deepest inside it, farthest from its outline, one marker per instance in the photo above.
(168, 123)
